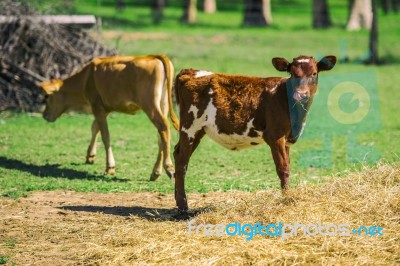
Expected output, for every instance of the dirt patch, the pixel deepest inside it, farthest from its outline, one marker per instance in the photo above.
(218, 39)
(56, 227)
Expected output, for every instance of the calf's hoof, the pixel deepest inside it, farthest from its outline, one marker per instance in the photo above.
(183, 215)
(170, 171)
(154, 176)
(110, 170)
(90, 159)
(171, 175)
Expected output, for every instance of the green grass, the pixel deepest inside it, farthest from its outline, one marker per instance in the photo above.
(35, 155)
(10, 242)
(4, 259)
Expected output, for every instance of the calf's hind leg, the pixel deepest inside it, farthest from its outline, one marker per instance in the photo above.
(157, 169)
(164, 138)
(183, 150)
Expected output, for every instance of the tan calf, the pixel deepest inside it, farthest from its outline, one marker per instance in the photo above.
(123, 84)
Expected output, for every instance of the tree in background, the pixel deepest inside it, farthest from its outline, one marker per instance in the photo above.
(209, 6)
(395, 5)
(361, 15)
(373, 36)
(386, 6)
(120, 5)
(257, 13)
(157, 10)
(389, 5)
(364, 14)
(321, 17)
(189, 11)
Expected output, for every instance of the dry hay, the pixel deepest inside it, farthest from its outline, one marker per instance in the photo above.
(32, 51)
(74, 229)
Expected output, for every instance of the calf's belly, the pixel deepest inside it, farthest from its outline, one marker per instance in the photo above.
(235, 142)
(207, 121)
(126, 108)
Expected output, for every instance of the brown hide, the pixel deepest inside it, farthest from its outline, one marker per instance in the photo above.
(238, 100)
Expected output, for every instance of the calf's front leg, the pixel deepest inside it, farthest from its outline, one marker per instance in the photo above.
(92, 149)
(280, 153)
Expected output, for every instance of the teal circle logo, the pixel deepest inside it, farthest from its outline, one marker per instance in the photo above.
(348, 102)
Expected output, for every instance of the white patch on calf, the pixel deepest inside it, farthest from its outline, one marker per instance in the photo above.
(197, 123)
(303, 60)
(194, 110)
(207, 121)
(234, 141)
(273, 89)
(202, 73)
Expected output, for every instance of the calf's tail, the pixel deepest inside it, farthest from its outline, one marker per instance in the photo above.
(169, 73)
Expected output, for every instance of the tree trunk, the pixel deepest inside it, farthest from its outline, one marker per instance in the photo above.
(386, 6)
(120, 5)
(209, 6)
(373, 36)
(321, 18)
(157, 11)
(395, 5)
(189, 11)
(389, 5)
(361, 15)
(257, 13)
(350, 7)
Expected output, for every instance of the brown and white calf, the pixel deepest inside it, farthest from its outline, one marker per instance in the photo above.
(124, 84)
(239, 112)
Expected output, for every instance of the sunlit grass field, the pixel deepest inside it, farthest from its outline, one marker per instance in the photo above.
(36, 155)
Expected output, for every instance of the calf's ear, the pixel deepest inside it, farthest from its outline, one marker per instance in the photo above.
(326, 63)
(281, 64)
(51, 86)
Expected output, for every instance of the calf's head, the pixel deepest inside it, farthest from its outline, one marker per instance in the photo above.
(303, 81)
(301, 87)
(55, 104)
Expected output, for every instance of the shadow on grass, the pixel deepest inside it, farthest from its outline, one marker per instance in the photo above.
(153, 214)
(112, 21)
(53, 170)
(146, 21)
